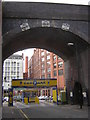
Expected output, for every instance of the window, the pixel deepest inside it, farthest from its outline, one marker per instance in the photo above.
(17, 77)
(43, 71)
(54, 57)
(55, 74)
(42, 53)
(8, 63)
(17, 68)
(48, 57)
(48, 92)
(54, 65)
(8, 78)
(43, 65)
(8, 73)
(14, 68)
(49, 75)
(48, 63)
(42, 59)
(12, 77)
(17, 73)
(14, 63)
(60, 64)
(60, 72)
(17, 64)
(5, 68)
(48, 69)
(44, 92)
(12, 72)
(43, 76)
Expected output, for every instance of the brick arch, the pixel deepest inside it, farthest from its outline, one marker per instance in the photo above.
(52, 39)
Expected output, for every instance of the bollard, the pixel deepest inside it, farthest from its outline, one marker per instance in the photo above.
(26, 101)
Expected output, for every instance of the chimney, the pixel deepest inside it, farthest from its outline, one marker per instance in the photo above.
(26, 65)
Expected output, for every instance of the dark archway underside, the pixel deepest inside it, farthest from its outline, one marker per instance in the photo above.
(52, 39)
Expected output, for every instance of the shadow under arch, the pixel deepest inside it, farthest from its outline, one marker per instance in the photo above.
(51, 39)
(77, 92)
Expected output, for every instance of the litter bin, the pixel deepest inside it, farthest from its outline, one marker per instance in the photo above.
(63, 97)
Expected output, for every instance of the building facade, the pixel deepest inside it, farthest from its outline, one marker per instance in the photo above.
(45, 64)
(12, 69)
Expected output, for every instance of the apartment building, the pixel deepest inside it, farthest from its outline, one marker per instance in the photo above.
(45, 64)
(12, 69)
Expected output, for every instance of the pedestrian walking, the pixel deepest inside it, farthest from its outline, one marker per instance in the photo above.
(81, 100)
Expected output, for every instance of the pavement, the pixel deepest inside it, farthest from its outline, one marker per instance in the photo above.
(84, 107)
(43, 110)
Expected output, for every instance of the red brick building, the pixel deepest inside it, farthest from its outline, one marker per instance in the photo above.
(45, 64)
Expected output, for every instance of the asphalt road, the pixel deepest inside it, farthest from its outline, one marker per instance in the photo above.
(44, 110)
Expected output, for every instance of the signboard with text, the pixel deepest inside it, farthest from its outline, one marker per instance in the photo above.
(34, 83)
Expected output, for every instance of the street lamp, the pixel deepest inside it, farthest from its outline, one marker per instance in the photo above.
(70, 44)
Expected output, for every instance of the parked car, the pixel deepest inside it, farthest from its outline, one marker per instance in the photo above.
(46, 97)
(18, 98)
(6, 99)
(41, 98)
(14, 98)
(50, 97)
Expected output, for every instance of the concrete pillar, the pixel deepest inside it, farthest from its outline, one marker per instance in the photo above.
(70, 75)
(0, 60)
(71, 72)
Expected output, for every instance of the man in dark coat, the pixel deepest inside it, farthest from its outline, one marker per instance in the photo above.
(80, 100)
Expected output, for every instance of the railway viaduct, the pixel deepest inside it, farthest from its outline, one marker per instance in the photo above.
(59, 28)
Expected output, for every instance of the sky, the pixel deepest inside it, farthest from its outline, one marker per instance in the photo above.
(84, 2)
(27, 52)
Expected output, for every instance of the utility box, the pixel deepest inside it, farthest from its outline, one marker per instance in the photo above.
(63, 97)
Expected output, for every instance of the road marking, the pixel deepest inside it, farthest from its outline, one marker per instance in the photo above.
(24, 114)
